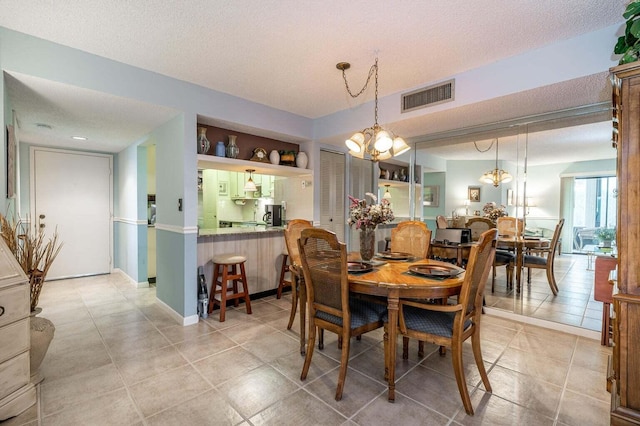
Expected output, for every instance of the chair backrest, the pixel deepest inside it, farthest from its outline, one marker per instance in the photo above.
(291, 235)
(478, 266)
(324, 262)
(441, 222)
(478, 225)
(509, 226)
(556, 238)
(412, 237)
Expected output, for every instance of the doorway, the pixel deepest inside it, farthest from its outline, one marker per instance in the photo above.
(71, 193)
(594, 207)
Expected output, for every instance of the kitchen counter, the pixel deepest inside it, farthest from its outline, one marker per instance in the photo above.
(244, 230)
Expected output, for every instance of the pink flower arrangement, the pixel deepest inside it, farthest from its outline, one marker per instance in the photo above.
(369, 216)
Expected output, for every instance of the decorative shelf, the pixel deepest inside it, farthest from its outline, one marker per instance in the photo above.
(235, 165)
(394, 183)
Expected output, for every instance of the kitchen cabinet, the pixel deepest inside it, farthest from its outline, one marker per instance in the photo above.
(17, 393)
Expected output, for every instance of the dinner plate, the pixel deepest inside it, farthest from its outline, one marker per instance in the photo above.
(437, 271)
(395, 255)
(357, 267)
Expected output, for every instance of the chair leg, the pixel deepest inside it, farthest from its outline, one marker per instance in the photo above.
(477, 354)
(245, 287)
(405, 347)
(552, 280)
(307, 358)
(421, 348)
(302, 295)
(294, 301)
(223, 292)
(344, 361)
(321, 339)
(458, 369)
(604, 333)
(493, 278)
(528, 275)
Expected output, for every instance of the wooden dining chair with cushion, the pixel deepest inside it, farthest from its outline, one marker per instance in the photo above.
(324, 263)
(441, 222)
(291, 234)
(478, 225)
(545, 260)
(411, 236)
(509, 226)
(451, 325)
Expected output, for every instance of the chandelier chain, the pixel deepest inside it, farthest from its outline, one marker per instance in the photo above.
(480, 150)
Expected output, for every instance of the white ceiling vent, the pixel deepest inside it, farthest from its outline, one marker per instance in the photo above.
(432, 95)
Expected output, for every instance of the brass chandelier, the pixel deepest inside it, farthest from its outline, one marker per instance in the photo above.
(374, 142)
(497, 175)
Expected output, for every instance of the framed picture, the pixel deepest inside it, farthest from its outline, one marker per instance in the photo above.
(474, 194)
(430, 196)
(223, 188)
(510, 197)
(11, 163)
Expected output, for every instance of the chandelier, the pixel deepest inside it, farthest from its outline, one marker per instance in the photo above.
(375, 142)
(497, 175)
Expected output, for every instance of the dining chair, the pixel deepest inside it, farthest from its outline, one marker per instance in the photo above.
(291, 235)
(441, 222)
(509, 226)
(478, 225)
(413, 237)
(450, 325)
(545, 260)
(324, 263)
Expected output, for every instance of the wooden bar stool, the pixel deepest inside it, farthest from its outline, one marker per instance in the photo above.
(284, 268)
(225, 269)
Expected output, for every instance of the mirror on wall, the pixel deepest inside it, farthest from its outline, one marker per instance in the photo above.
(563, 167)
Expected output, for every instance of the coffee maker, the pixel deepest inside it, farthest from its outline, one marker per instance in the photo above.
(273, 215)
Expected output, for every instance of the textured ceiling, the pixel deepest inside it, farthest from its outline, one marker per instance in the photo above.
(281, 53)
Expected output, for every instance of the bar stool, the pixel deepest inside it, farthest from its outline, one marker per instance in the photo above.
(225, 269)
(284, 268)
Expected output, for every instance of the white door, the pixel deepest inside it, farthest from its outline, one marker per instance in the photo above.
(332, 196)
(71, 191)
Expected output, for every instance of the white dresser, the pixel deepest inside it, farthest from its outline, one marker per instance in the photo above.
(17, 393)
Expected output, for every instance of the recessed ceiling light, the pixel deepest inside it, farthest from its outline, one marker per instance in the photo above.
(79, 138)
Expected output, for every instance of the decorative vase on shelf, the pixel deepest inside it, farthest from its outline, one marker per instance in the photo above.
(220, 150)
(232, 148)
(367, 243)
(302, 160)
(203, 142)
(274, 157)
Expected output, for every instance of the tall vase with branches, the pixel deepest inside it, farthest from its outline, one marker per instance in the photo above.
(33, 250)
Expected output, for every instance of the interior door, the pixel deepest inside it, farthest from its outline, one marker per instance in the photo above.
(332, 196)
(72, 192)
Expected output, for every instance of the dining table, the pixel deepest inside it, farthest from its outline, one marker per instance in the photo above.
(520, 245)
(393, 280)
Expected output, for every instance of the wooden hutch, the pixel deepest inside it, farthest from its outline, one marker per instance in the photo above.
(625, 390)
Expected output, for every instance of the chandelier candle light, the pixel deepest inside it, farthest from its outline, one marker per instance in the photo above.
(375, 142)
(497, 175)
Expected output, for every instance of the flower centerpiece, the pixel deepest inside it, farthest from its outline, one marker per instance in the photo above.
(492, 211)
(366, 217)
(606, 235)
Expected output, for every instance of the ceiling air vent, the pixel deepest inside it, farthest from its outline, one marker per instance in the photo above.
(432, 95)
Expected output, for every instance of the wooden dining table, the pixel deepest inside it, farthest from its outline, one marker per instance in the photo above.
(520, 244)
(394, 281)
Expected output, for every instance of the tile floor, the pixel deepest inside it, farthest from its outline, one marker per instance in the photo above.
(118, 358)
(574, 305)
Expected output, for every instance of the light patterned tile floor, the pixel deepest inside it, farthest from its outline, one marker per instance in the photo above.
(133, 365)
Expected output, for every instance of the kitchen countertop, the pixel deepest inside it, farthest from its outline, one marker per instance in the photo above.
(260, 229)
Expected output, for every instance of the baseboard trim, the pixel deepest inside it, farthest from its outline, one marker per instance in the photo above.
(184, 321)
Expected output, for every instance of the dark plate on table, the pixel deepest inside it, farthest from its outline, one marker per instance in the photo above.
(358, 267)
(395, 255)
(436, 271)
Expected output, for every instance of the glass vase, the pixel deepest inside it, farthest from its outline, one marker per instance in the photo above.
(367, 244)
(203, 142)
(232, 148)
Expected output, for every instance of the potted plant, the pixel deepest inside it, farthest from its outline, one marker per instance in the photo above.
(628, 45)
(33, 251)
(606, 235)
